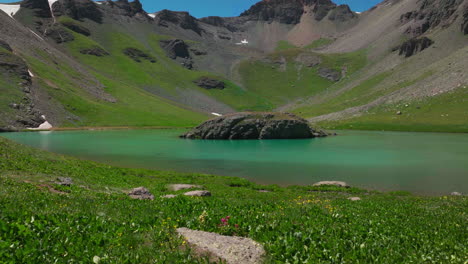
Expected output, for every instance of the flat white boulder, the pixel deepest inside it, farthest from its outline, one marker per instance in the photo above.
(232, 250)
(332, 183)
(178, 187)
(198, 193)
(354, 199)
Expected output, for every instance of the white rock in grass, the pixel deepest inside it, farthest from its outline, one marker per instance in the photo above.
(354, 199)
(178, 187)
(198, 193)
(231, 250)
(332, 183)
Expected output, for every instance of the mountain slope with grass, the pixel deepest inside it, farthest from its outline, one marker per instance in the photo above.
(80, 63)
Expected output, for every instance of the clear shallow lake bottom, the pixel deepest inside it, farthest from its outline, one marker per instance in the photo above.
(425, 163)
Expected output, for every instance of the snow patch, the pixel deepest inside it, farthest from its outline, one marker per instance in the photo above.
(10, 10)
(243, 42)
(152, 15)
(216, 114)
(30, 73)
(44, 126)
(51, 2)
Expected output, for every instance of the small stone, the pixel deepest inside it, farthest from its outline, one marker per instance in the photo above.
(198, 193)
(354, 199)
(64, 181)
(178, 187)
(169, 196)
(332, 183)
(230, 249)
(456, 194)
(141, 193)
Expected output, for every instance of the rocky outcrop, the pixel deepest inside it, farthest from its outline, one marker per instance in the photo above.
(59, 34)
(431, 13)
(95, 51)
(288, 12)
(126, 8)
(341, 13)
(198, 194)
(76, 28)
(138, 55)
(464, 26)
(78, 10)
(413, 46)
(5, 45)
(177, 49)
(218, 22)
(249, 125)
(329, 74)
(210, 83)
(181, 19)
(41, 7)
(228, 249)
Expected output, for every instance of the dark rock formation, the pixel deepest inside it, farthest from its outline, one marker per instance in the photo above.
(5, 45)
(59, 34)
(218, 22)
(126, 8)
(464, 26)
(415, 45)
(210, 83)
(137, 55)
(13, 65)
(341, 13)
(431, 13)
(322, 8)
(177, 49)
(64, 181)
(41, 7)
(329, 74)
(181, 19)
(77, 28)
(95, 51)
(78, 9)
(250, 125)
(283, 11)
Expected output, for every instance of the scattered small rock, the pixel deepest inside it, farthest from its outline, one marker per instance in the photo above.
(354, 199)
(198, 193)
(456, 194)
(141, 193)
(178, 187)
(332, 183)
(64, 181)
(169, 196)
(232, 250)
(137, 55)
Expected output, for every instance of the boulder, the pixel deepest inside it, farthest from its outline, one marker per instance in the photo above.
(198, 193)
(138, 55)
(354, 199)
(329, 74)
(226, 249)
(64, 181)
(210, 83)
(332, 183)
(95, 51)
(178, 187)
(456, 194)
(141, 193)
(415, 45)
(251, 125)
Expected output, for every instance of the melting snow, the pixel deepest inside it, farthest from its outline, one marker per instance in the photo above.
(44, 126)
(30, 73)
(216, 114)
(243, 42)
(152, 15)
(10, 9)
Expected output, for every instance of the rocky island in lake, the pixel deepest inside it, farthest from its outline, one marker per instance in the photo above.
(252, 125)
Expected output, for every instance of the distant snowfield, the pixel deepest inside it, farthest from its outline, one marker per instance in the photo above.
(10, 10)
(152, 15)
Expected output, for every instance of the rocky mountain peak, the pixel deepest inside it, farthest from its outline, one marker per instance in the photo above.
(182, 19)
(288, 11)
(127, 8)
(78, 9)
(41, 7)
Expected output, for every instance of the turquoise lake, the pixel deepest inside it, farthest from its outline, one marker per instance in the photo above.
(425, 163)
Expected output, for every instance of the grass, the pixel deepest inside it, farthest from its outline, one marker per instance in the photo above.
(443, 113)
(319, 43)
(283, 84)
(94, 218)
(284, 45)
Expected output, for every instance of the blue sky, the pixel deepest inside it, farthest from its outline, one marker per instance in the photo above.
(202, 8)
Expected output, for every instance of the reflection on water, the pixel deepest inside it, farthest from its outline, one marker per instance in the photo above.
(419, 162)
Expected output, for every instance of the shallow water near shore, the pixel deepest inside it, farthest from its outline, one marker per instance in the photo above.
(424, 163)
